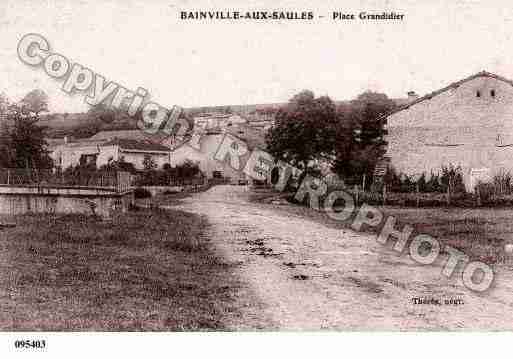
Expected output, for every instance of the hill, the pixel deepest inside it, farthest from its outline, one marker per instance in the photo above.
(82, 125)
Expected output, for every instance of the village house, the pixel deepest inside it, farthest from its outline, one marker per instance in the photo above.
(216, 121)
(106, 146)
(134, 152)
(468, 123)
(201, 149)
(69, 152)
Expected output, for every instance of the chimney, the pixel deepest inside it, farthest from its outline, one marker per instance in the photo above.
(412, 96)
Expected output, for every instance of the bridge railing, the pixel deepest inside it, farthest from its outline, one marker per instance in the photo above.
(187, 182)
(115, 180)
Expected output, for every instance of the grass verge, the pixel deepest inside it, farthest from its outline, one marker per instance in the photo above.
(481, 233)
(150, 270)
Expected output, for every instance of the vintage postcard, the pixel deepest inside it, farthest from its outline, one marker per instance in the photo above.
(265, 166)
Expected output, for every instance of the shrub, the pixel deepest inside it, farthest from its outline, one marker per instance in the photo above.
(393, 180)
(452, 179)
(162, 177)
(502, 182)
(433, 184)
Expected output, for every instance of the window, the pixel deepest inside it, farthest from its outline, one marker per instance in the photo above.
(478, 94)
(492, 93)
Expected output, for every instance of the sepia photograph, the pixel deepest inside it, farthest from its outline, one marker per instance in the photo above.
(275, 168)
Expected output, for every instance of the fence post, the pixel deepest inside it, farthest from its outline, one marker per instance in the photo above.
(384, 194)
(478, 196)
(418, 194)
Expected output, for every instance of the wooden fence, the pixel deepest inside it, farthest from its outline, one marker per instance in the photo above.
(188, 182)
(116, 180)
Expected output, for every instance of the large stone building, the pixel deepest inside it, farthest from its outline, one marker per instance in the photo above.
(468, 123)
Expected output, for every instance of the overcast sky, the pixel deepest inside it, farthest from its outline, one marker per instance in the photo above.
(194, 63)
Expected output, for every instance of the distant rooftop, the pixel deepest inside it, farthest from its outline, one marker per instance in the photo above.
(136, 145)
(125, 134)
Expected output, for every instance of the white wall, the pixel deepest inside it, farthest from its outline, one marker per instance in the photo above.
(107, 153)
(71, 156)
(455, 127)
(205, 157)
(137, 158)
(68, 155)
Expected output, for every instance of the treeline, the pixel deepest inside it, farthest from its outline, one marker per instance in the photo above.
(450, 178)
(98, 118)
(317, 135)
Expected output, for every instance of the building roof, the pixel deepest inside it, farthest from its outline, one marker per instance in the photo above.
(126, 134)
(253, 137)
(54, 142)
(83, 143)
(451, 86)
(157, 138)
(137, 145)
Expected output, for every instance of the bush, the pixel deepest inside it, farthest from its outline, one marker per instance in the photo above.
(141, 193)
(162, 177)
(450, 177)
(433, 184)
(393, 180)
(503, 182)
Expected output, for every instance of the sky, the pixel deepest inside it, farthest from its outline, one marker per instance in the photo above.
(205, 63)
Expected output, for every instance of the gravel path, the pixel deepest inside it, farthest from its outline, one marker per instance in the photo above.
(309, 276)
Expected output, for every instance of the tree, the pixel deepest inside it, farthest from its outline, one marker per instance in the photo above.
(36, 101)
(25, 140)
(451, 179)
(4, 104)
(433, 184)
(304, 131)
(6, 150)
(22, 140)
(5, 141)
(360, 134)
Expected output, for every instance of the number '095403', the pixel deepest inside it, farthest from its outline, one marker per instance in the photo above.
(30, 344)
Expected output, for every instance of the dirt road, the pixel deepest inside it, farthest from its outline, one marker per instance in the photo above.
(308, 276)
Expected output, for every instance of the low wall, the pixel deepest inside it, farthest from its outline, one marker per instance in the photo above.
(16, 200)
(155, 190)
